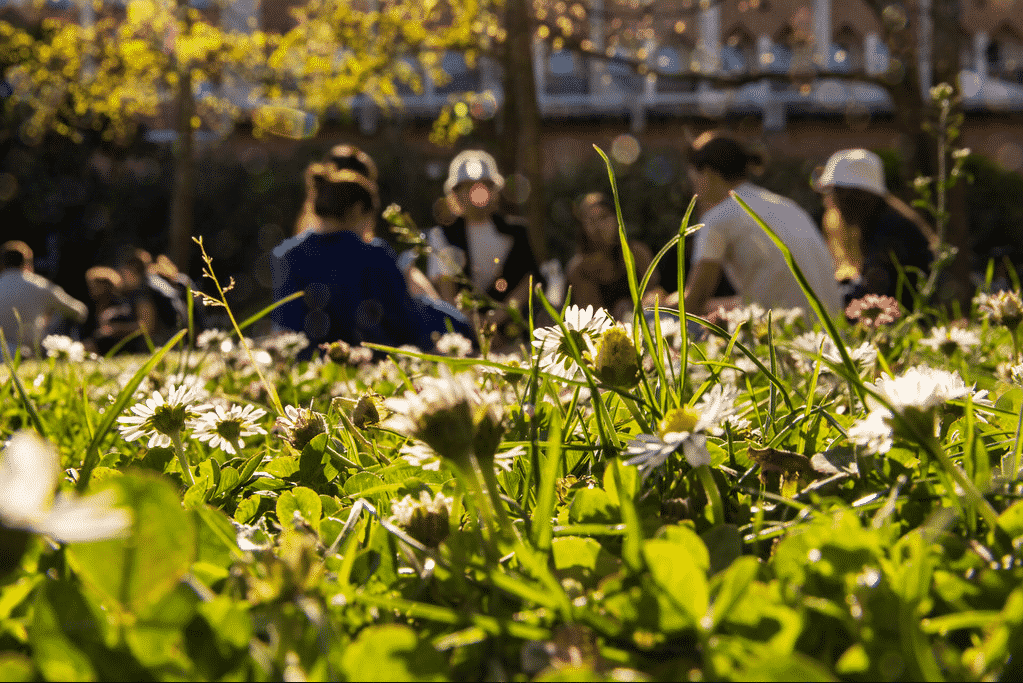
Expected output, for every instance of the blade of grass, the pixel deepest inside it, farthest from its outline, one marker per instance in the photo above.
(263, 312)
(12, 367)
(543, 522)
(123, 397)
(811, 296)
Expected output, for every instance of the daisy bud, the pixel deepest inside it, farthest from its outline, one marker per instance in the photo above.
(301, 425)
(617, 363)
(367, 411)
(338, 352)
(488, 433)
(426, 519)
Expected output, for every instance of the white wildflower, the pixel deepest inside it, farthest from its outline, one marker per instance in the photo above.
(684, 428)
(225, 428)
(64, 348)
(29, 474)
(584, 326)
(453, 344)
(161, 419)
(451, 415)
(948, 339)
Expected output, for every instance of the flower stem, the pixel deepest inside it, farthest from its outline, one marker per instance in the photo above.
(970, 490)
(179, 450)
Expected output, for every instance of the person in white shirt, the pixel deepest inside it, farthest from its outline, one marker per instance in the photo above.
(731, 242)
(29, 301)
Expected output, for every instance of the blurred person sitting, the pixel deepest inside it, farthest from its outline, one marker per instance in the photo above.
(354, 291)
(155, 303)
(111, 318)
(482, 249)
(29, 302)
(597, 272)
(350, 157)
(731, 242)
(870, 232)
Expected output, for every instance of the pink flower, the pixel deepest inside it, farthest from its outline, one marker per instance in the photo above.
(873, 310)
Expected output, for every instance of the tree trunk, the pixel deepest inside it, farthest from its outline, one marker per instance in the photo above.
(179, 245)
(521, 139)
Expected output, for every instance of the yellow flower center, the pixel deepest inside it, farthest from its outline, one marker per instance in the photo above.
(682, 419)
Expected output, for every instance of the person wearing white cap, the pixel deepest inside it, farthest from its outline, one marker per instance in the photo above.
(490, 250)
(869, 231)
(732, 243)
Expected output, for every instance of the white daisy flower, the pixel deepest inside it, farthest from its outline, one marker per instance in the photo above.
(426, 519)
(225, 429)
(402, 510)
(285, 344)
(29, 474)
(812, 343)
(453, 344)
(1004, 307)
(919, 387)
(1016, 373)
(684, 428)
(736, 317)
(451, 415)
(301, 425)
(422, 456)
(64, 348)
(948, 339)
(915, 394)
(161, 419)
(874, 431)
(215, 340)
(584, 325)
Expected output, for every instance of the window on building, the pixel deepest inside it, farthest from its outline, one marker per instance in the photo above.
(1005, 55)
(737, 53)
(846, 54)
(621, 74)
(461, 77)
(566, 74)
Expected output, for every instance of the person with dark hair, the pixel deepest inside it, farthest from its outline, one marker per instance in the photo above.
(597, 272)
(354, 291)
(28, 301)
(870, 232)
(350, 157)
(157, 305)
(111, 317)
(731, 242)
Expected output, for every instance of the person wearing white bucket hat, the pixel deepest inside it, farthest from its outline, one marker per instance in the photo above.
(870, 232)
(481, 246)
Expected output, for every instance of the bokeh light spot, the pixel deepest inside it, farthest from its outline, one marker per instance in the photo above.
(1010, 156)
(479, 194)
(625, 149)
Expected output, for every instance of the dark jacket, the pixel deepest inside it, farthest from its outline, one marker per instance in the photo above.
(519, 264)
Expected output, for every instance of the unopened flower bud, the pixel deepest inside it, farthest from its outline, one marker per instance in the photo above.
(488, 433)
(338, 352)
(617, 363)
(426, 519)
(367, 411)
